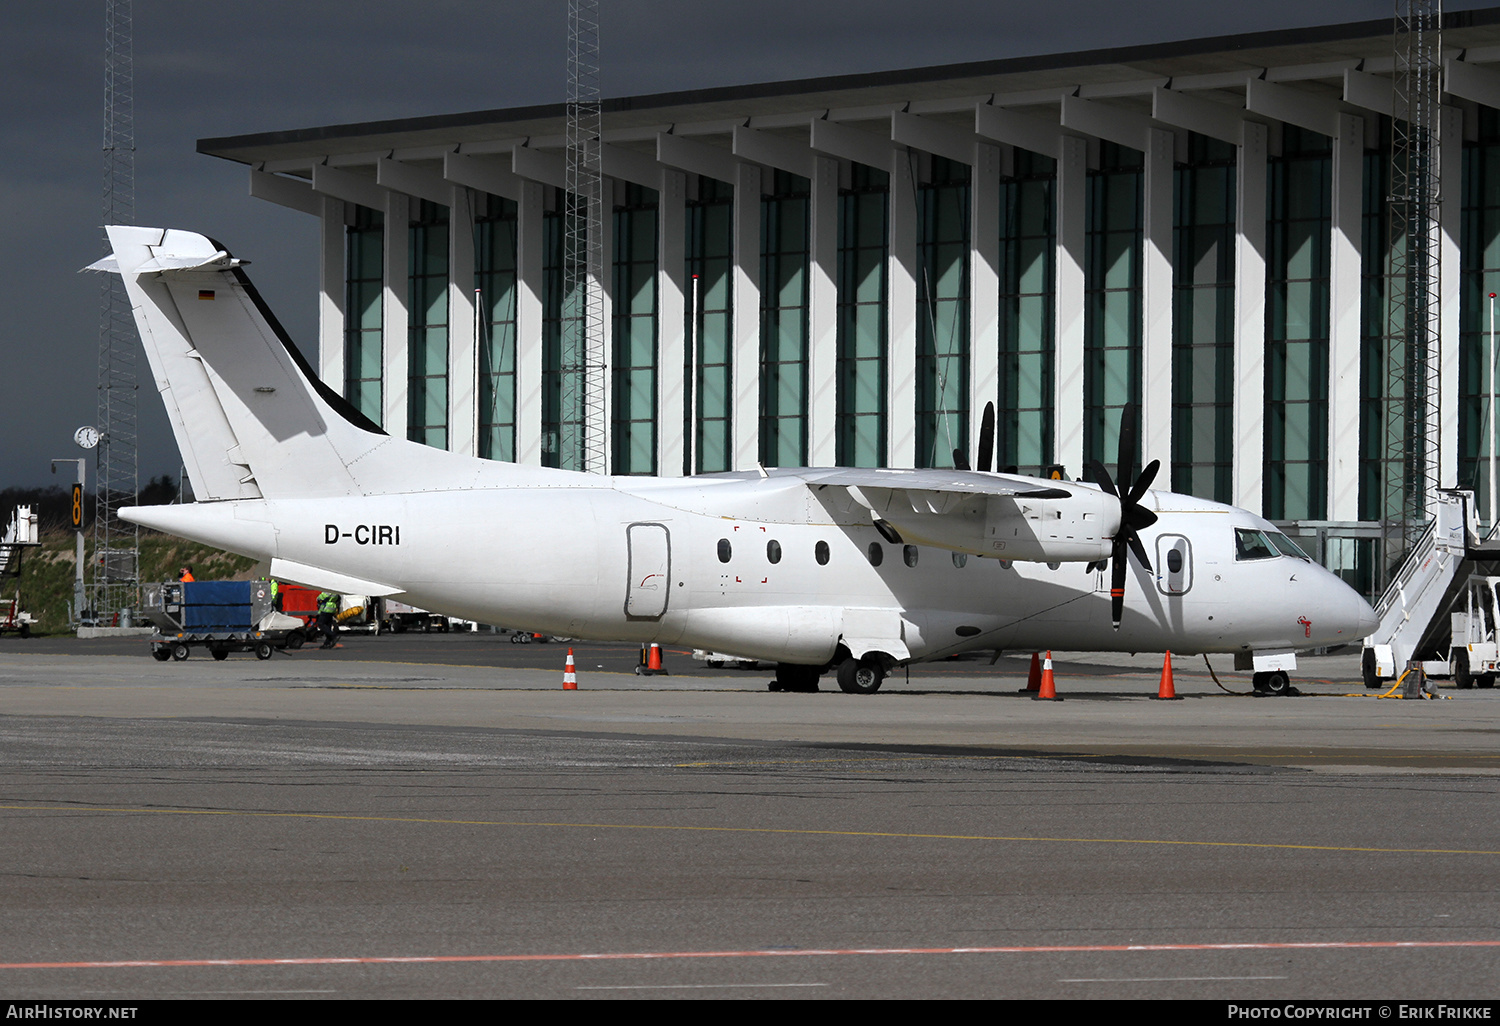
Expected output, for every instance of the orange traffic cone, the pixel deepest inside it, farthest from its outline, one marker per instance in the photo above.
(650, 663)
(1034, 677)
(570, 674)
(1166, 692)
(1048, 690)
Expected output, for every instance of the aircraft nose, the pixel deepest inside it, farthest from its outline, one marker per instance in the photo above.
(1368, 621)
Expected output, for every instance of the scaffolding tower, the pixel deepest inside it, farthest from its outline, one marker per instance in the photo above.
(1412, 364)
(116, 566)
(581, 423)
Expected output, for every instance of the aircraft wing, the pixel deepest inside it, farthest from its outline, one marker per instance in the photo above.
(1001, 515)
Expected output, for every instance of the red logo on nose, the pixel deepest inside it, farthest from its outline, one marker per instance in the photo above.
(1307, 626)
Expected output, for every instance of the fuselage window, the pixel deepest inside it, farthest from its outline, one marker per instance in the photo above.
(725, 550)
(1252, 545)
(1174, 560)
(909, 554)
(960, 559)
(820, 552)
(773, 551)
(876, 553)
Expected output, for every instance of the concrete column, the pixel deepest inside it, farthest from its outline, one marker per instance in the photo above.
(331, 286)
(822, 347)
(463, 355)
(1250, 319)
(1344, 318)
(1451, 141)
(671, 270)
(393, 311)
(1156, 300)
(745, 372)
(1072, 247)
(901, 316)
(529, 244)
(984, 287)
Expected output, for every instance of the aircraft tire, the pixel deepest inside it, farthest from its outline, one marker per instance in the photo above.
(180, 651)
(1278, 683)
(1462, 678)
(1367, 670)
(860, 677)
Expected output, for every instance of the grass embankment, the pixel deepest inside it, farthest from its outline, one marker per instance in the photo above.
(47, 572)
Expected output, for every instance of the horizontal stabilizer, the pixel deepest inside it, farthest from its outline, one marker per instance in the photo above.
(328, 580)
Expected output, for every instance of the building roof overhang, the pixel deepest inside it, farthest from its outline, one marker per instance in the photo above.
(1320, 52)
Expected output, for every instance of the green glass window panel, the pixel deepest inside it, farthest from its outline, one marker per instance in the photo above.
(634, 332)
(708, 240)
(364, 245)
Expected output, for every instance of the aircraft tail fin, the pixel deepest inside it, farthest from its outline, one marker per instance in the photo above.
(251, 418)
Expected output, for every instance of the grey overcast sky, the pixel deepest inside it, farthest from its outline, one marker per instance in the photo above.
(204, 70)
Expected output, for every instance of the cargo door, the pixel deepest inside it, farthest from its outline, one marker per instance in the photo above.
(649, 570)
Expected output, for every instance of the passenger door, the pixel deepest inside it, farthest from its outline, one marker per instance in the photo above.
(1174, 564)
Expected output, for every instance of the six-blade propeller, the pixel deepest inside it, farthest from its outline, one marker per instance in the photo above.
(1133, 516)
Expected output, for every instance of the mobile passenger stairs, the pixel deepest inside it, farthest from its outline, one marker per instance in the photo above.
(1451, 565)
(20, 535)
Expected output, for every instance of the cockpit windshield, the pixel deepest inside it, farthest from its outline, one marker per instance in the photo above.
(1252, 544)
(1287, 546)
(1249, 544)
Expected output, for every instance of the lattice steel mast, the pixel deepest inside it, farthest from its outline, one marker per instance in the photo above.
(1412, 337)
(116, 543)
(584, 370)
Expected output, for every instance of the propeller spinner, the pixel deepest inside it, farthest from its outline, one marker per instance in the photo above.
(1133, 516)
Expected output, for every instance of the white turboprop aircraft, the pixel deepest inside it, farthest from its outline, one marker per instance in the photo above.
(856, 571)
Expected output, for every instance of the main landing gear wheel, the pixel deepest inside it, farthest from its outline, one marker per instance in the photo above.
(180, 651)
(1276, 682)
(860, 676)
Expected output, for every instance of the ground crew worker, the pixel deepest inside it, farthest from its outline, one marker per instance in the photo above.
(328, 607)
(185, 575)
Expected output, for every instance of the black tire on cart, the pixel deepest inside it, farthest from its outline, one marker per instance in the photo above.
(1486, 680)
(219, 654)
(263, 650)
(295, 640)
(180, 651)
(1462, 678)
(161, 653)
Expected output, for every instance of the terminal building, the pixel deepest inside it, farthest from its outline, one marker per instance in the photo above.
(844, 271)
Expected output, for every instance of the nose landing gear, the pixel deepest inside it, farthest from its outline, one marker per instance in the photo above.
(1274, 682)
